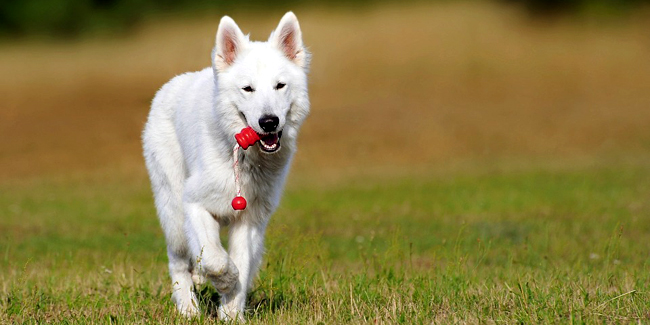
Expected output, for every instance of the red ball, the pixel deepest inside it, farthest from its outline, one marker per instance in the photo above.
(239, 203)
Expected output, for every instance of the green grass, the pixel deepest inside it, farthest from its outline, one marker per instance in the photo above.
(534, 246)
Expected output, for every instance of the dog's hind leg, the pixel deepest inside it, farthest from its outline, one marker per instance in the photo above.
(182, 284)
(166, 173)
(180, 266)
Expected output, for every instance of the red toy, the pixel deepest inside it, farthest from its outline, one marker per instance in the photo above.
(245, 138)
(239, 203)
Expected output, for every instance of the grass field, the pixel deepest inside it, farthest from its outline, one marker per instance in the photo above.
(462, 164)
(529, 246)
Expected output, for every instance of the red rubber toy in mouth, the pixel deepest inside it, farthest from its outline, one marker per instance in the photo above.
(247, 137)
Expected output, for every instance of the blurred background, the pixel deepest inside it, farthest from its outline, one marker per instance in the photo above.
(456, 149)
(396, 87)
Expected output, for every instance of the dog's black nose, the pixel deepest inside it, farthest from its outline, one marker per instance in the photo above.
(269, 123)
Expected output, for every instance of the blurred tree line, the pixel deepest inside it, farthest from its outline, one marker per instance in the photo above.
(554, 7)
(69, 18)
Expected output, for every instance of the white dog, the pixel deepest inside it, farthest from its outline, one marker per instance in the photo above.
(188, 147)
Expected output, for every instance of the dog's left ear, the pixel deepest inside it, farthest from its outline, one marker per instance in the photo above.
(230, 41)
(287, 37)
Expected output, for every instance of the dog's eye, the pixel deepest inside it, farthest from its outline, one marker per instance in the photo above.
(279, 86)
(248, 89)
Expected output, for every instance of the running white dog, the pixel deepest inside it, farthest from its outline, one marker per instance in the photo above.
(188, 147)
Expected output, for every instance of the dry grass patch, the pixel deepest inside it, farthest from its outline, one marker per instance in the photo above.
(391, 86)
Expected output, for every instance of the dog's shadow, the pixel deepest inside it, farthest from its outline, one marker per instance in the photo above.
(258, 302)
(209, 299)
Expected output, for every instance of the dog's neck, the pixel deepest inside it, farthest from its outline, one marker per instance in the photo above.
(263, 164)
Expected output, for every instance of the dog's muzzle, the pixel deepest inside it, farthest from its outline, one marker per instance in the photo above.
(270, 142)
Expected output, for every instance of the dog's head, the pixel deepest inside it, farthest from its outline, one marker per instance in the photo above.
(265, 82)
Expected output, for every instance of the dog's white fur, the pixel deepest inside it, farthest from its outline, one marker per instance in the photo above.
(188, 147)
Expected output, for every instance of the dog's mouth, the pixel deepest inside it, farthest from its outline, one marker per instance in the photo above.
(270, 142)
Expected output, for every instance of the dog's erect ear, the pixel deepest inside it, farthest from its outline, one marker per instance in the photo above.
(288, 38)
(230, 42)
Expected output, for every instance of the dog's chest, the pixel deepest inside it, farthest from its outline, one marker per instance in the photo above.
(261, 182)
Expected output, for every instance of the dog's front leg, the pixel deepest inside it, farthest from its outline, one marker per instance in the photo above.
(246, 246)
(211, 259)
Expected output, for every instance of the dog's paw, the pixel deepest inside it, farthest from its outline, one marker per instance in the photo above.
(226, 278)
(228, 315)
(189, 312)
(186, 304)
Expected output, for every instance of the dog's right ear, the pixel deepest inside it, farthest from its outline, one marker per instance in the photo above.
(287, 37)
(230, 41)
